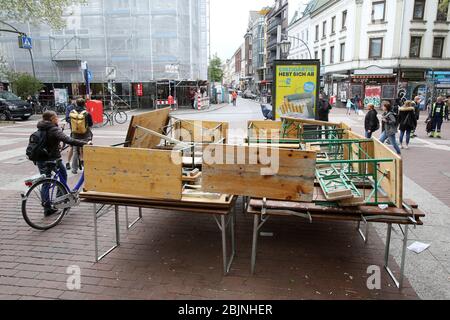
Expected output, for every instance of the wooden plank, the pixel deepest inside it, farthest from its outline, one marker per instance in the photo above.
(137, 172)
(392, 184)
(268, 129)
(153, 120)
(235, 171)
(200, 131)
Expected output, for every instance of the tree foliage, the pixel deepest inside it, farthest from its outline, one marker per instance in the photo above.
(24, 84)
(443, 6)
(215, 70)
(36, 11)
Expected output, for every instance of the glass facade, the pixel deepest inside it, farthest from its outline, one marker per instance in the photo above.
(144, 40)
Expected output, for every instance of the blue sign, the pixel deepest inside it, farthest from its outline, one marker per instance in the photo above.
(89, 75)
(25, 42)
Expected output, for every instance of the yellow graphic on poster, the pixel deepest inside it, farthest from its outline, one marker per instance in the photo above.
(296, 90)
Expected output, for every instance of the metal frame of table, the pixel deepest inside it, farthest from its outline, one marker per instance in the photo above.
(261, 217)
(223, 220)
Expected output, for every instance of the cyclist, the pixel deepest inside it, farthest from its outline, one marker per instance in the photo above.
(80, 124)
(54, 136)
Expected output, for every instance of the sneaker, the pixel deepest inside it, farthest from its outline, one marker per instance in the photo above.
(402, 147)
(438, 136)
(74, 171)
(68, 166)
(407, 147)
(50, 211)
(81, 164)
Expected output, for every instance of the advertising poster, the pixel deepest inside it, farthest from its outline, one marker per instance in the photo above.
(61, 96)
(296, 88)
(373, 95)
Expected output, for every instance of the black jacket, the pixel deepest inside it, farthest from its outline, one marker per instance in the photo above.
(54, 136)
(407, 118)
(323, 110)
(371, 121)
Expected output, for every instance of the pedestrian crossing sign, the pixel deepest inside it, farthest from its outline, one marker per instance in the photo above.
(25, 42)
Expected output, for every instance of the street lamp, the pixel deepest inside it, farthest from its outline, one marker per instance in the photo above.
(285, 47)
(289, 47)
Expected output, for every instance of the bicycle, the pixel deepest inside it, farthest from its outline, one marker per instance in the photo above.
(116, 115)
(52, 191)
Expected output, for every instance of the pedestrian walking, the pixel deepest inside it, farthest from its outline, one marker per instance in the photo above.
(69, 109)
(437, 115)
(357, 103)
(371, 122)
(350, 105)
(446, 115)
(418, 100)
(81, 124)
(234, 96)
(407, 122)
(390, 126)
(323, 109)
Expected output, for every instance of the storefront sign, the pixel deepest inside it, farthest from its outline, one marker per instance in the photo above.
(139, 90)
(373, 95)
(296, 87)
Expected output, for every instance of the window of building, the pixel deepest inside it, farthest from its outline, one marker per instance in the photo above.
(84, 43)
(317, 33)
(316, 55)
(344, 19)
(376, 48)
(333, 25)
(332, 54)
(442, 11)
(414, 49)
(438, 47)
(342, 52)
(378, 11)
(419, 9)
(322, 62)
(324, 29)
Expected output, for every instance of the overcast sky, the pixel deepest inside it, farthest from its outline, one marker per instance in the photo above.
(229, 22)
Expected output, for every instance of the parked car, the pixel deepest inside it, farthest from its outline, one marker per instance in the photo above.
(11, 106)
(248, 94)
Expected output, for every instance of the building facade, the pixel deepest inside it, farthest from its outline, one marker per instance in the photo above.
(142, 41)
(277, 24)
(379, 50)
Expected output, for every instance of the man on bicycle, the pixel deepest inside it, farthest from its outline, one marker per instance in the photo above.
(80, 124)
(54, 136)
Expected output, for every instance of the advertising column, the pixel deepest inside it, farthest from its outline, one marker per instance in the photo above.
(296, 88)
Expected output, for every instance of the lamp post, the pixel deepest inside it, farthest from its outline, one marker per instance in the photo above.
(284, 45)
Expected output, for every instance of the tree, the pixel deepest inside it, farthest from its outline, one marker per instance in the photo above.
(443, 6)
(36, 11)
(215, 70)
(24, 84)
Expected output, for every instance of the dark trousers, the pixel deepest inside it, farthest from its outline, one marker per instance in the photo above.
(437, 123)
(408, 136)
(369, 134)
(47, 170)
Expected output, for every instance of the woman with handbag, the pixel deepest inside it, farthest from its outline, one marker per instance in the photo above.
(407, 122)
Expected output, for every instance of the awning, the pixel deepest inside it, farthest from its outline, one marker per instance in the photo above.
(373, 76)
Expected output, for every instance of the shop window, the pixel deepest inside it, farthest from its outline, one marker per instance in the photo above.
(414, 50)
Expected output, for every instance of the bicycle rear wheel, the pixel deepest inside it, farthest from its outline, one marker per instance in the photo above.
(105, 119)
(121, 117)
(43, 193)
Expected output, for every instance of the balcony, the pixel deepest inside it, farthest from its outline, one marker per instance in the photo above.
(273, 24)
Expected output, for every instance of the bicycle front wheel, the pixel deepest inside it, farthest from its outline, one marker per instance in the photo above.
(39, 202)
(121, 117)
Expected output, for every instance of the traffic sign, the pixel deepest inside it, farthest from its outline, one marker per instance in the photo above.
(25, 42)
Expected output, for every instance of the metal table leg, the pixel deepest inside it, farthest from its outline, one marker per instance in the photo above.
(364, 235)
(223, 224)
(130, 225)
(97, 215)
(398, 283)
(256, 227)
